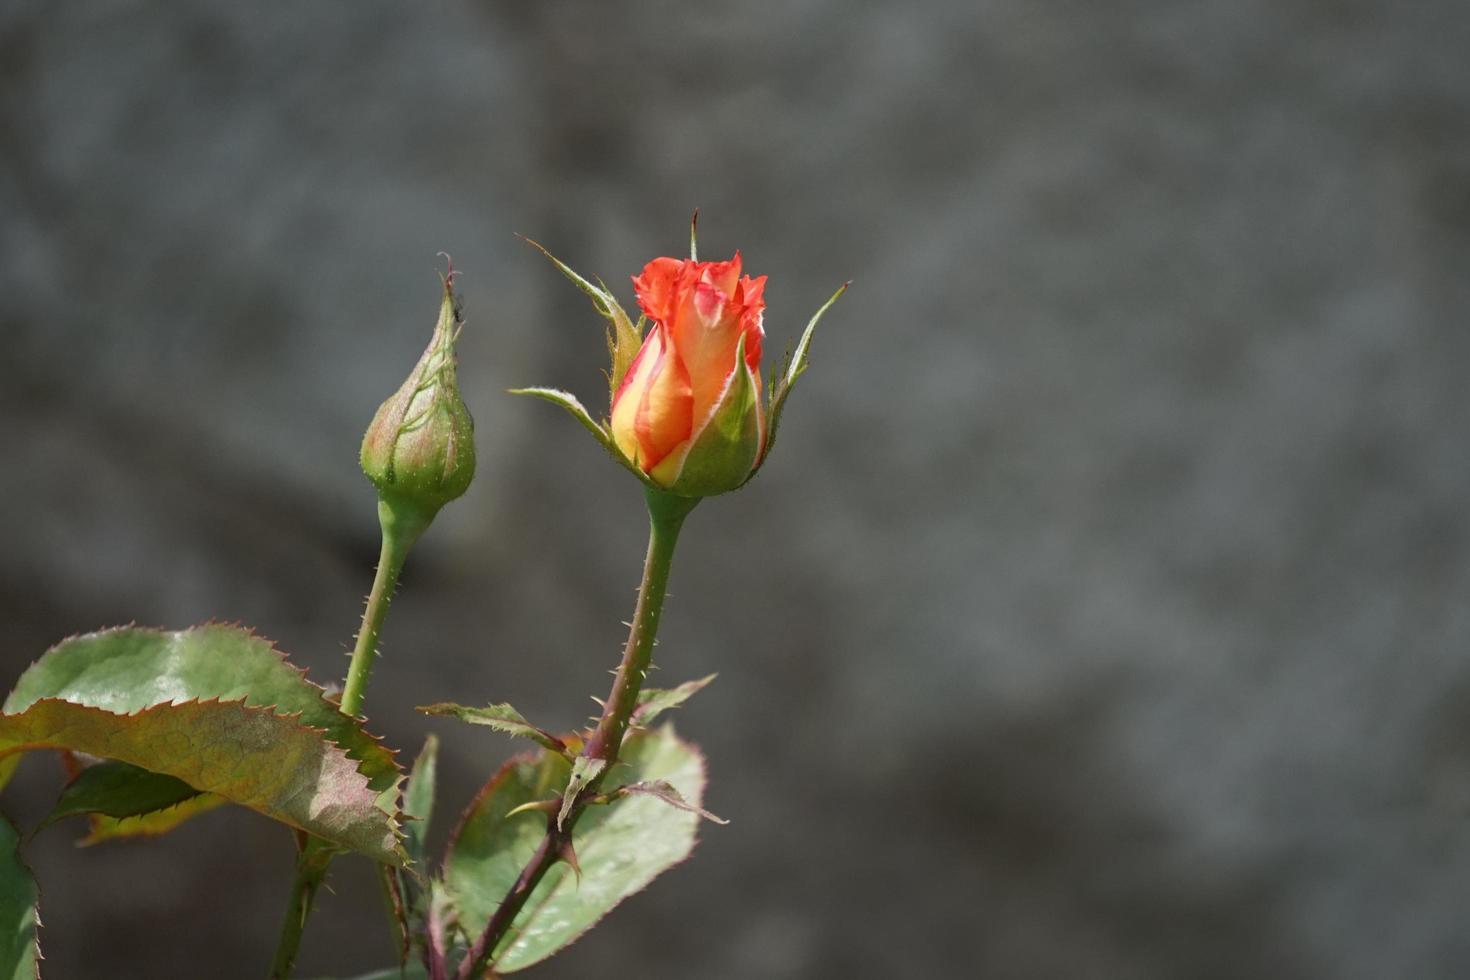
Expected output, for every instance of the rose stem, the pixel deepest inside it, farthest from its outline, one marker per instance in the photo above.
(666, 514)
(401, 528)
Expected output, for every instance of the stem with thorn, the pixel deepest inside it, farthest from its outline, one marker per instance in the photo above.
(311, 871)
(401, 526)
(666, 513)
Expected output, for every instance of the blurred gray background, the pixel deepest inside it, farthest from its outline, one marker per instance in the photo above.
(1102, 612)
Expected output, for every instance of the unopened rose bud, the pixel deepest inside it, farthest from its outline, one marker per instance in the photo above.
(419, 450)
(689, 412)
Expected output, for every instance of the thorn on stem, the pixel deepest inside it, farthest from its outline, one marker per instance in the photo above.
(568, 853)
(542, 806)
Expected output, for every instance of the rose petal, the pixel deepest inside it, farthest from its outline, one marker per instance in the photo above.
(630, 393)
(665, 410)
(722, 275)
(658, 287)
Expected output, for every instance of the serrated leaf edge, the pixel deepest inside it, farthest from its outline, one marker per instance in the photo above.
(393, 821)
(93, 839)
(690, 688)
(665, 792)
(270, 645)
(517, 727)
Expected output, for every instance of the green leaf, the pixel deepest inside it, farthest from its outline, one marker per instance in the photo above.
(406, 890)
(569, 401)
(621, 848)
(795, 365)
(19, 949)
(662, 790)
(251, 756)
(117, 789)
(149, 824)
(127, 669)
(654, 701)
(418, 798)
(502, 718)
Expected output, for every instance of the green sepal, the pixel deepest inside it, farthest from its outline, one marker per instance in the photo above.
(620, 848)
(501, 717)
(118, 790)
(570, 402)
(728, 448)
(654, 701)
(793, 367)
(20, 951)
(623, 338)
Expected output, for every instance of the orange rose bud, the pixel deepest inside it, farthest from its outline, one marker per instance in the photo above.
(689, 412)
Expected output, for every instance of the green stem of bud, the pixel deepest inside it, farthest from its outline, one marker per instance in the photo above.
(402, 524)
(666, 513)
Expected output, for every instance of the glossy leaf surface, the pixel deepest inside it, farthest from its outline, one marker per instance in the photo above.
(127, 669)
